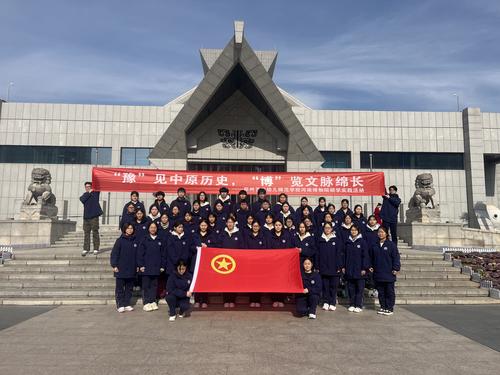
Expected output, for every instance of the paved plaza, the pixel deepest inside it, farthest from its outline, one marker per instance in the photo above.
(97, 340)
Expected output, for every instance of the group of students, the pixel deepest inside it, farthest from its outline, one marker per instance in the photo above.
(160, 247)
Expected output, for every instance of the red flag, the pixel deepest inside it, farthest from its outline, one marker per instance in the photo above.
(232, 270)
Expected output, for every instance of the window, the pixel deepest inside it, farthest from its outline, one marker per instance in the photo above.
(413, 160)
(55, 155)
(336, 159)
(135, 156)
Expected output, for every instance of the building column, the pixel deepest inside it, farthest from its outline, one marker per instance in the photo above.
(474, 164)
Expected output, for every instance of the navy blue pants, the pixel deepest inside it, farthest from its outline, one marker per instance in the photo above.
(356, 288)
(386, 295)
(149, 288)
(201, 297)
(330, 287)
(306, 303)
(123, 291)
(393, 229)
(173, 302)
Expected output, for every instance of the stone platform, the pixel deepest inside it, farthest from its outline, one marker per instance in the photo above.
(33, 233)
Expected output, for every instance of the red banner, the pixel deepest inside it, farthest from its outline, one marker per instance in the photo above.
(231, 270)
(291, 183)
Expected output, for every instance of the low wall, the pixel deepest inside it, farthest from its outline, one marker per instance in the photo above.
(33, 233)
(444, 235)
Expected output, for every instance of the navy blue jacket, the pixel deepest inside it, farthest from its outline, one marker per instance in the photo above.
(127, 218)
(260, 216)
(343, 233)
(221, 218)
(235, 241)
(299, 210)
(164, 232)
(242, 216)
(124, 256)
(152, 255)
(281, 217)
(140, 229)
(91, 206)
(276, 209)
(360, 222)
(340, 215)
(138, 206)
(256, 206)
(385, 259)
(371, 235)
(284, 241)
(178, 285)
(227, 205)
(390, 208)
(357, 258)
(209, 239)
(162, 207)
(331, 257)
(183, 204)
(319, 215)
(307, 246)
(312, 281)
(205, 210)
(255, 242)
(179, 249)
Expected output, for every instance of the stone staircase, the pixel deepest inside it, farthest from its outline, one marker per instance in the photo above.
(108, 234)
(62, 276)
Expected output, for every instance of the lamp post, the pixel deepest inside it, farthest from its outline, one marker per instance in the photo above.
(8, 90)
(458, 101)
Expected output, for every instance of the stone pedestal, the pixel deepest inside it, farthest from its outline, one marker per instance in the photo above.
(423, 215)
(33, 233)
(36, 212)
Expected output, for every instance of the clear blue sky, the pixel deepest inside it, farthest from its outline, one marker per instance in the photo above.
(382, 55)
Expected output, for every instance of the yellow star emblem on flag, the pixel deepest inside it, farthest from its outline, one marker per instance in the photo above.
(223, 264)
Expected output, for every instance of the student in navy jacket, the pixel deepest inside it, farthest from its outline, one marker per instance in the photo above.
(196, 213)
(151, 260)
(134, 199)
(328, 218)
(261, 198)
(255, 238)
(230, 238)
(306, 213)
(389, 212)
(175, 215)
(180, 246)
(344, 230)
(154, 214)
(279, 238)
(304, 202)
(242, 213)
(320, 211)
(371, 231)
(213, 225)
(204, 204)
(306, 242)
(160, 203)
(225, 199)
(181, 202)
(190, 226)
(204, 238)
(386, 263)
(307, 301)
(91, 212)
(165, 227)
(141, 225)
(178, 293)
(242, 196)
(129, 215)
(260, 214)
(221, 214)
(290, 226)
(359, 219)
(343, 211)
(268, 224)
(246, 226)
(285, 213)
(357, 263)
(123, 260)
(330, 208)
(282, 198)
(330, 264)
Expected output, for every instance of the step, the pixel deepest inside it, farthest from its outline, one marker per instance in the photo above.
(58, 276)
(417, 255)
(61, 284)
(55, 269)
(411, 268)
(452, 291)
(61, 293)
(425, 262)
(60, 262)
(432, 275)
(451, 300)
(60, 255)
(436, 283)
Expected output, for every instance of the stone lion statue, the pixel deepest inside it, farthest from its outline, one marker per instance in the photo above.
(424, 190)
(39, 191)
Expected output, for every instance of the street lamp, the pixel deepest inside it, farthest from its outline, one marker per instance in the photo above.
(458, 101)
(8, 90)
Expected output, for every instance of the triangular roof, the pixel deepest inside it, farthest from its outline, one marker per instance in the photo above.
(237, 62)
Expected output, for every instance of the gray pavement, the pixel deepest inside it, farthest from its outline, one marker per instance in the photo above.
(97, 340)
(12, 315)
(479, 323)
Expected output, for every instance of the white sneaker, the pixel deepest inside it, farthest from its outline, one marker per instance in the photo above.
(312, 316)
(129, 308)
(332, 308)
(121, 309)
(96, 252)
(84, 253)
(389, 312)
(358, 310)
(326, 306)
(381, 312)
(181, 315)
(154, 306)
(147, 307)
(171, 318)
(351, 309)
